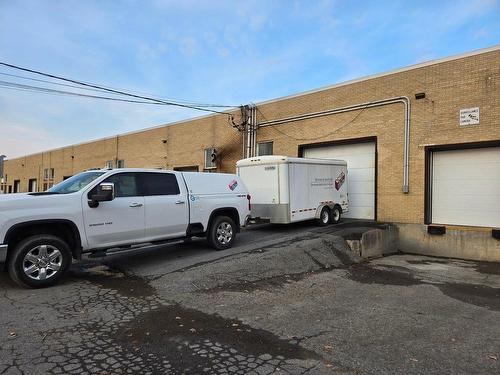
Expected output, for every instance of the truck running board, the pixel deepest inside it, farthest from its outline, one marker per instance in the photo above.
(115, 250)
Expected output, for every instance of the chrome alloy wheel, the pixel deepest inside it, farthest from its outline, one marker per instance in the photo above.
(224, 233)
(42, 262)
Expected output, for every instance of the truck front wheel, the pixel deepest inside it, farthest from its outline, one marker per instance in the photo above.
(222, 233)
(39, 261)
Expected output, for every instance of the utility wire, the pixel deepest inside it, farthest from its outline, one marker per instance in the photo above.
(21, 87)
(164, 102)
(100, 90)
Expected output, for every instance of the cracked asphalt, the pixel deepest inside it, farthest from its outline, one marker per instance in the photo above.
(285, 300)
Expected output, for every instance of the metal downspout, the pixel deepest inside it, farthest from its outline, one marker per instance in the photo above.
(377, 103)
(248, 134)
(254, 132)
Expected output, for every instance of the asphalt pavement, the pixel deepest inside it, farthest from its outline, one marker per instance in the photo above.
(285, 300)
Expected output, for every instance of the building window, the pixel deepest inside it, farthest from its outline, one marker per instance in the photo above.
(48, 174)
(265, 148)
(109, 164)
(120, 163)
(210, 158)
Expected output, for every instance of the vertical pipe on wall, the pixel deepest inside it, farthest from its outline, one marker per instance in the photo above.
(254, 127)
(376, 103)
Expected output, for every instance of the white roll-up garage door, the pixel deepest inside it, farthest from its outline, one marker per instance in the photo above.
(466, 187)
(360, 158)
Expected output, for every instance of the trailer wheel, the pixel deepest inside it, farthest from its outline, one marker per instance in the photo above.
(222, 233)
(324, 217)
(336, 213)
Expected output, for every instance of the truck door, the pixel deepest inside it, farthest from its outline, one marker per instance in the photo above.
(120, 221)
(167, 208)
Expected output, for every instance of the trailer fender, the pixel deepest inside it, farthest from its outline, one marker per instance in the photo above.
(330, 205)
(320, 208)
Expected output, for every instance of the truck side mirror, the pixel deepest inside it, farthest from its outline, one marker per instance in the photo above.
(105, 193)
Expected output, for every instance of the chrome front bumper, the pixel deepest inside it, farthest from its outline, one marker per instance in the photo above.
(3, 253)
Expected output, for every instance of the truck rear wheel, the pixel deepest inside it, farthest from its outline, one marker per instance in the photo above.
(39, 261)
(324, 217)
(221, 233)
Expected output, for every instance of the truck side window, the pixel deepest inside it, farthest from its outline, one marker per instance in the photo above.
(125, 184)
(160, 184)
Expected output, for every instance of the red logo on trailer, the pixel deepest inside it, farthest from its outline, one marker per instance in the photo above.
(339, 181)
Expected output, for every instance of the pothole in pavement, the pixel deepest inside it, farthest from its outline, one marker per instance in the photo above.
(124, 327)
(202, 343)
(126, 285)
(389, 275)
(478, 295)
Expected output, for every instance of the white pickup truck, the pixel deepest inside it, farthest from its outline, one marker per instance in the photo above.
(99, 210)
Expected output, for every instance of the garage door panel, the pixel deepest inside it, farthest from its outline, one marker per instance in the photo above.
(364, 200)
(362, 212)
(360, 158)
(465, 205)
(364, 187)
(468, 156)
(466, 187)
(460, 217)
(360, 174)
(359, 161)
(464, 172)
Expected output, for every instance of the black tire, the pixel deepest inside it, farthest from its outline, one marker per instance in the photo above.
(221, 233)
(324, 217)
(47, 266)
(336, 213)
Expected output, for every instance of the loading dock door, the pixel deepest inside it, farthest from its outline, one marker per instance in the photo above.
(466, 187)
(360, 159)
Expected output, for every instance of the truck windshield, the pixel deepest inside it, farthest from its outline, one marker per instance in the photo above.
(75, 183)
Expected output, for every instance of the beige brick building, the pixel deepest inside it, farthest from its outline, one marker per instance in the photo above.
(454, 119)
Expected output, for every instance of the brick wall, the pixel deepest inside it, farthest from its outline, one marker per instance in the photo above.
(449, 86)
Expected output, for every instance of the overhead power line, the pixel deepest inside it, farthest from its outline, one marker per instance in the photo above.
(21, 87)
(119, 92)
(99, 90)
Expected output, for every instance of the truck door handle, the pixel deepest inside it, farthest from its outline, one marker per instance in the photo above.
(136, 205)
(180, 202)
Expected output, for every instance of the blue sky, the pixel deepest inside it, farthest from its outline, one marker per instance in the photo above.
(227, 52)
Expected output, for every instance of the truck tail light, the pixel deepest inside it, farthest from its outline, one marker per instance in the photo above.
(249, 197)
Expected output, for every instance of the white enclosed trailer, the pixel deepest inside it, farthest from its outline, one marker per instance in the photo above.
(286, 190)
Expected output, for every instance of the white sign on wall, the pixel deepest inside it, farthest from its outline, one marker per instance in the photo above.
(469, 116)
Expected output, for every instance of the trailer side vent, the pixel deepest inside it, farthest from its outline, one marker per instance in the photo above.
(420, 95)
